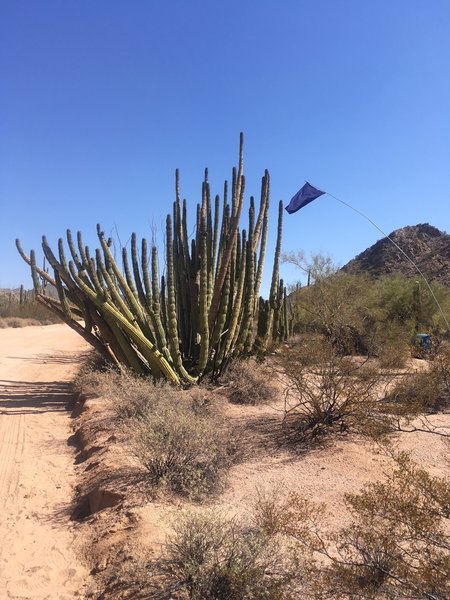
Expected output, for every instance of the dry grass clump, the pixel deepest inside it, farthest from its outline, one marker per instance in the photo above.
(248, 383)
(95, 376)
(16, 322)
(182, 450)
(130, 395)
(135, 397)
(31, 310)
(210, 556)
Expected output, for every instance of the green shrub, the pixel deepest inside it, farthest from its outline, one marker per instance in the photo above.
(398, 543)
(362, 315)
(391, 346)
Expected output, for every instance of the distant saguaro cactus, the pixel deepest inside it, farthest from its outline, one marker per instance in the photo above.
(190, 321)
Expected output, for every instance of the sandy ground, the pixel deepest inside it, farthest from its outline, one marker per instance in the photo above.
(323, 475)
(38, 547)
(136, 530)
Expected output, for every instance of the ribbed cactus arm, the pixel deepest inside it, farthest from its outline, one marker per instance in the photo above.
(174, 343)
(238, 199)
(276, 260)
(43, 274)
(263, 206)
(156, 361)
(262, 252)
(203, 306)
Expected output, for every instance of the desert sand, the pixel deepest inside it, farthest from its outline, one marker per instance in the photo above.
(42, 549)
(38, 549)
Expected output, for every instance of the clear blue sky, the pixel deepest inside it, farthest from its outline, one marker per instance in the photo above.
(100, 100)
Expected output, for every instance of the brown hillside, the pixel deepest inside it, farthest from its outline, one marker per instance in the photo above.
(426, 245)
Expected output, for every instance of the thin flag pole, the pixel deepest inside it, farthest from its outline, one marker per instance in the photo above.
(398, 248)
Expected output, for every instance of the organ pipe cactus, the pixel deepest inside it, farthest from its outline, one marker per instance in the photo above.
(193, 319)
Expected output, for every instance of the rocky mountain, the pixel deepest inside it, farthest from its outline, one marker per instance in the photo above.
(426, 245)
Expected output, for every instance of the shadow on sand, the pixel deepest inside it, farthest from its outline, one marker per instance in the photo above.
(32, 397)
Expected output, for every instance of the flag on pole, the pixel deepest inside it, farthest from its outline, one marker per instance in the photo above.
(304, 196)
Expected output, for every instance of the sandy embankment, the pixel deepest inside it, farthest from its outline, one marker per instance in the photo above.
(38, 550)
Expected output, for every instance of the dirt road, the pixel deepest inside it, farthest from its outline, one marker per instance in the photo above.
(38, 542)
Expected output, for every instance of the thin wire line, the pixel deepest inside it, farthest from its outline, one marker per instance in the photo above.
(398, 248)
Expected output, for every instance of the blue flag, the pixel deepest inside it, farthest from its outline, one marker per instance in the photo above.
(304, 196)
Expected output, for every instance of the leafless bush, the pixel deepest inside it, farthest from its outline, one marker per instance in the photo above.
(248, 383)
(336, 393)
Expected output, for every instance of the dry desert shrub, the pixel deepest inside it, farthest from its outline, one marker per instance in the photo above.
(16, 322)
(309, 348)
(211, 556)
(182, 450)
(334, 394)
(30, 310)
(249, 383)
(134, 397)
(176, 435)
(131, 396)
(392, 347)
(95, 377)
(426, 391)
(397, 544)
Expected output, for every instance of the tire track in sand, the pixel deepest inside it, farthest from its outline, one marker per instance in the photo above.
(38, 556)
(12, 436)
